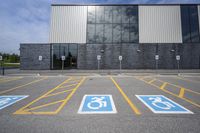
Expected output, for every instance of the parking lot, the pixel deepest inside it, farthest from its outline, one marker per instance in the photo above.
(97, 104)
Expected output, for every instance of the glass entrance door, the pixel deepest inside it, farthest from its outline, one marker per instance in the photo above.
(70, 51)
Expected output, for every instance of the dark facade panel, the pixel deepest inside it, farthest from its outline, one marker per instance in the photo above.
(190, 56)
(139, 56)
(167, 56)
(29, 56)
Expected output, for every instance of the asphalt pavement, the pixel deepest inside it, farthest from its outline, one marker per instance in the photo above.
(100, 104)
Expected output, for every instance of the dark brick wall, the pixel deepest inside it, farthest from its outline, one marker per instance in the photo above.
(139, 56)
(135, 56)
(29, 54)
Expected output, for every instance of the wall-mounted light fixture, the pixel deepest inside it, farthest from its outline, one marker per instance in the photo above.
(138, 50)
(102, 51)
(172, 50)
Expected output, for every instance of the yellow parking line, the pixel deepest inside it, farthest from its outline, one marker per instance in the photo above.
(133, 107)
(7, 78)
(35, 81)
(182, 91)
(70, 95)
(10, 79)
(163, 85)
(151, 81)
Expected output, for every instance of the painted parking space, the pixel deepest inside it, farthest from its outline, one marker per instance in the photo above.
(9, 79)
(173, 89)
(97, 104)
(191, 84)
(8, 100)
(17, 85)
(163, 105)
(54, 100)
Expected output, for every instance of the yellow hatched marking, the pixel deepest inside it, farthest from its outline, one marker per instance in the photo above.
(182, 91)
(67, 86)
(26, 109)
(133, 107)
(69, 96)
(177, 86)
(44, 105)
(58, 93)
(34, 101)
(35, 81)
(74, 81)
(190, 101)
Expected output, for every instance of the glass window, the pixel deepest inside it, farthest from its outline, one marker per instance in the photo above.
(99, 33)
(134, 36)
(125, 33)
(117, 14)
(116, 33)
(125, 14)
(91, 33)
(114, 24)
(91, 14)
(99, 14)
(190, 24)
(69, 51)
(194, 24)
(108, 14)
(108, 33)
(134, 14)
(185, 23)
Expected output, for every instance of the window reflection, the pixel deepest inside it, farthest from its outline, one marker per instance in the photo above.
(112, 24)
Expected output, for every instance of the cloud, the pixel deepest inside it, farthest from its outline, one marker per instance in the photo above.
(24, 21)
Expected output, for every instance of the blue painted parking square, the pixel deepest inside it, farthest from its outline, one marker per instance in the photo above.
(162, 104)
(6, 101)
(97, 104)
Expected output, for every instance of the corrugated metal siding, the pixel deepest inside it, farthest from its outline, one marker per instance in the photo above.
(68, 24)
(160, 24)
(199, 16)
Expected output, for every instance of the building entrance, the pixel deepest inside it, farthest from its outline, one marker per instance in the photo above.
(70, 51)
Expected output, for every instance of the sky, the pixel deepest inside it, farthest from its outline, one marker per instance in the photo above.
(28, 21)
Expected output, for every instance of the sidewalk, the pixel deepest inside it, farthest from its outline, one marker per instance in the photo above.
(13, 72)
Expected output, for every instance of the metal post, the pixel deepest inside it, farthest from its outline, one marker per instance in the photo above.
(156, 58)
(2, 67)
(62, 64)
(120, 66)
(98, 64)
(178, 66)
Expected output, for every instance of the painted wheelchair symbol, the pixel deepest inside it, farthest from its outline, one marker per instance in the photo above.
(97, 103)
(4, 101)
(157, 101)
